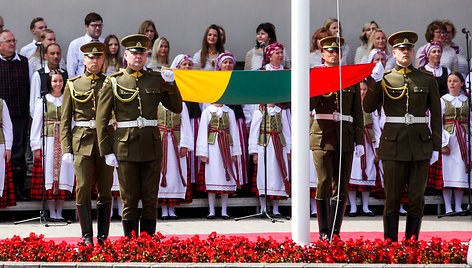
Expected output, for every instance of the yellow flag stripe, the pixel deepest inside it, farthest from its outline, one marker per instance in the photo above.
(202, 86)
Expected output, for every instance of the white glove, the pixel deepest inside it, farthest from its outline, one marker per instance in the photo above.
(68, 158)
(434, 157)
(359, 150)
(110, 159)
(167, 75)
(378, 72)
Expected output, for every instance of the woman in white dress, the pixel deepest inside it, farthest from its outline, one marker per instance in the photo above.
(148, 28)
(7, 192)
(218, 146)
(315, 50)
(205, 58)
(436, 32)
(266, 35)
(367, 30)
(58, 180)
(378, 40)
(333, 27)
(177, 140)
(112, 56)
(455, 112)
(47, 37)
(160, 54)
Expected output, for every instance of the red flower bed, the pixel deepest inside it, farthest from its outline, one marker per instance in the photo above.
(218, 248)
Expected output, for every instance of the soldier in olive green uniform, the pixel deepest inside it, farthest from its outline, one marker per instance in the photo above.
(80, 144)
(407, 145)
(133, 94)
(325, 143)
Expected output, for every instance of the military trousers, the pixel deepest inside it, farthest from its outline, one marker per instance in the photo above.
(327, 169)
(401, 175)
(139, 181)
(90, 169)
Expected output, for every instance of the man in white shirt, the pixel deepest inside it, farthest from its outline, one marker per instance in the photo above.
(38, 88)
(37, 26)
(93, 26)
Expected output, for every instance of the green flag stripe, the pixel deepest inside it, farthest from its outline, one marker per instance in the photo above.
(255, 87)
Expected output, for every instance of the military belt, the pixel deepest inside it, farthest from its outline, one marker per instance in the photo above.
(335, 117)
(89, 124)
(407, 119)
(140, 122)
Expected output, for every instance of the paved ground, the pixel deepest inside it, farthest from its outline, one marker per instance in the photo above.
(366, 225)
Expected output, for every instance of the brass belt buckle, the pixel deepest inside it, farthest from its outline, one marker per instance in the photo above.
(409, 119)
(140, 122)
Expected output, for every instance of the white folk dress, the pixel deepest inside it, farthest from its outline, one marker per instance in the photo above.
(66, 176)
(174, 188)
(7, 129)
(275, 179)
(357, 177)
(454, 172)
(215, 173)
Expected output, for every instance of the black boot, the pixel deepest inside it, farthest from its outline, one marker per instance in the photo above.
(103, 222)
(148, 226)
(129, 226)
(85, 218)
(336, 223)
(322, 207)
(413, 226)
(390, 223)
(19, 176)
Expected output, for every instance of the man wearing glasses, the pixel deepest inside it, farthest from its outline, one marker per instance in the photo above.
(14, 89)
(93, 26)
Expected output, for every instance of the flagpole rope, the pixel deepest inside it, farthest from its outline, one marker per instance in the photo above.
(338, 37)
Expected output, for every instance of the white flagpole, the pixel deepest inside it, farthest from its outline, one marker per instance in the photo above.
(300, 28)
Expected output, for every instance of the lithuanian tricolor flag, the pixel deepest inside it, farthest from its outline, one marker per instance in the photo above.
(255, 87)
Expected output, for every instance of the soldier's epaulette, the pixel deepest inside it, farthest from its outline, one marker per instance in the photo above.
(387, 71)
(425, 71)
(116, 73)
(73, 78)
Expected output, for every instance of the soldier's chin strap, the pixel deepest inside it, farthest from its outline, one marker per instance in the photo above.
(340, 144)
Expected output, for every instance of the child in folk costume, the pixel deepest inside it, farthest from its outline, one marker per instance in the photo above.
(185, 62)
(177, 140)
(226, 62)
(7, 191)
(58, 177)
(455, 162)
(273, 133)
(218, 146)
(364, 172)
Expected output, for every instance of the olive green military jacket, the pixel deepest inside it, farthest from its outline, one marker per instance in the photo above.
(324, 134)
(135, 94)
(399, 141)
(79, 104)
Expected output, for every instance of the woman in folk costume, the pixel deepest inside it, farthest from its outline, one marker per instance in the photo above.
(363, 171)
(58, 179)
(273, 133)
(185, 62)
(7, 191)
(226, 62)
(218, 146)
(455, 160)
(177, 139)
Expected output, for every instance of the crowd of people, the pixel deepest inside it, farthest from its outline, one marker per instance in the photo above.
(80, 118)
